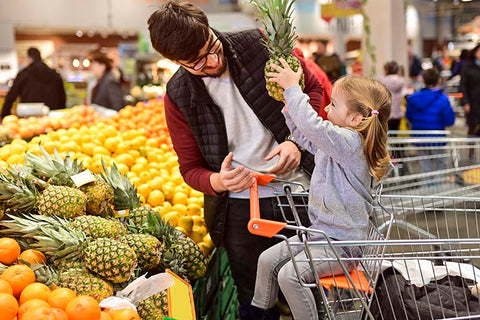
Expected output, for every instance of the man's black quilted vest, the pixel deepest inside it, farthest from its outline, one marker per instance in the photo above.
(246, 58)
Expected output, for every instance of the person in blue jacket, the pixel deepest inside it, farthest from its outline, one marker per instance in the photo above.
(430, 109)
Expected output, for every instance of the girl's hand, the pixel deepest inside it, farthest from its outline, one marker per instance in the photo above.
(285, 76)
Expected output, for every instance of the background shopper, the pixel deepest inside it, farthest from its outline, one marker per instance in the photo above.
(107, 92)
(395, 84)
(470, 86)
(36, 83)
(430, 109)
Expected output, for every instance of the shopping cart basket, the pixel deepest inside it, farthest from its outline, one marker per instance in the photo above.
(433, 165)
(353, 290)
(430, 263)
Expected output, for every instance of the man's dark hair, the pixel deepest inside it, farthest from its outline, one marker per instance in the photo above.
(103, 59)
(34, 54)
(178, 30)
(431, 77)
(391, 67)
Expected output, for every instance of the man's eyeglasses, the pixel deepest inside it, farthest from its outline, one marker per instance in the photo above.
(200, 64)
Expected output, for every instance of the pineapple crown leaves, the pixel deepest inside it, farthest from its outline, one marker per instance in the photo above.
(276, 17)
(132, 228)
(162, 230)
(43, 273)
(17, 192)
(124, 192)
(53, 235)
(56, 169)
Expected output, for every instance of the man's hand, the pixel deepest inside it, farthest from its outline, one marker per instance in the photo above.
(466, 108)
(231, 179)
(289, 157)
(285, 77)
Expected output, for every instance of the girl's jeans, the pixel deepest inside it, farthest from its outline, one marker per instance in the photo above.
(275, 270)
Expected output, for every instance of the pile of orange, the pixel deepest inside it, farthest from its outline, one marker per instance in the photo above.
(26, 128)
(148, 116)
(22, 298)
(10, 252)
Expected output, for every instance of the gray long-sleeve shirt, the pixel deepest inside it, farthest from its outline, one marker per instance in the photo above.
(340, 201)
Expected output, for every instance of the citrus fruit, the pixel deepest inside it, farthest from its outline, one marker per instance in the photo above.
(185, 222)
(42, 313)
(179, 198)
(31, 305)
(8, 306)
(156, 198)
(60, 297)
(9, 250)
(60, 314)
(5, 287)
(144, 190)
(83, 308)
(172, 218)
(105, 316)
(125, 314)
(34, 290)
(32, 257)
(18, 276)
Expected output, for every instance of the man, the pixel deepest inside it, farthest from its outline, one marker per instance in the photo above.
(36, 83)
(224, 125)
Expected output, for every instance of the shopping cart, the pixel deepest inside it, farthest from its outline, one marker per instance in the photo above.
(349, 294)
(432, 164)
(430, 263)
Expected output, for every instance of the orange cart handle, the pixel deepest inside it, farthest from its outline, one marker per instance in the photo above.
(257, 225)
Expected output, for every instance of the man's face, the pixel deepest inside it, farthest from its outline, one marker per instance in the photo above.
(210, 60)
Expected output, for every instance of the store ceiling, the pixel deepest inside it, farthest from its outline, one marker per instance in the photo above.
(462, 11)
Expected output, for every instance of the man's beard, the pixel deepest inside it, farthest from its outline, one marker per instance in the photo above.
(220, 71)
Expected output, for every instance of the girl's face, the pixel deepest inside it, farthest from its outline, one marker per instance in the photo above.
(338, 112)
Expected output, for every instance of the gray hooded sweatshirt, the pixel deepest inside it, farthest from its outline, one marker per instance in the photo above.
(340, 200)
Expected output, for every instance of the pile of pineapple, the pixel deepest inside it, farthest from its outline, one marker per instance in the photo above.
(88, 249)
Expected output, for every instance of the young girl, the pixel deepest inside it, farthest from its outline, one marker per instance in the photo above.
(350, 149)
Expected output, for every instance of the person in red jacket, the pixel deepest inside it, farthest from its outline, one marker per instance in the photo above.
(224, 126)
(321, 76)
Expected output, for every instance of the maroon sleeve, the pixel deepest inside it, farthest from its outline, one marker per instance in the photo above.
(323, 79)
(313, 88)
(193, 167)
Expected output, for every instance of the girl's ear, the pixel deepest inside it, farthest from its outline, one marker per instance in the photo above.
(355, 119)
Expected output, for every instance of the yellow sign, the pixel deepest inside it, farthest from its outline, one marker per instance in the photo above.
(330, 10)
(180, 299)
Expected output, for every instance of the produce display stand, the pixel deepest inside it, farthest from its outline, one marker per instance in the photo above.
(215, 295)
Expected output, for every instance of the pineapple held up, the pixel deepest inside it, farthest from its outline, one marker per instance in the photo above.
(276, 16)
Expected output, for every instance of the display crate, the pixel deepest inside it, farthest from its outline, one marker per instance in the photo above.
(205, 287)
(215, 294)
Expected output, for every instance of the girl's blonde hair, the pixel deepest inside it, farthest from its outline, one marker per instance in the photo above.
(365, 95)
